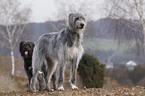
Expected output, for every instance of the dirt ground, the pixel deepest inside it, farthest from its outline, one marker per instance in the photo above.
(19, 86)
(131, 91)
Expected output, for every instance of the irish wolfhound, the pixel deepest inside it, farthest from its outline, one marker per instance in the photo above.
(57, 49)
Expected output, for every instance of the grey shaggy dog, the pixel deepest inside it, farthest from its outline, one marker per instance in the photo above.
(57, 49)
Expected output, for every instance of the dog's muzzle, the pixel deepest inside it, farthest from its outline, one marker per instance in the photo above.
(80, 24)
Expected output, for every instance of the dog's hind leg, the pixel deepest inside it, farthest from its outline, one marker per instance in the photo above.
(55, 78)
(52, 64)
(37, 62)
(33, 81)
(41, 79)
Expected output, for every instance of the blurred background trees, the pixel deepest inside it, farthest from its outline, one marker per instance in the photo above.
(128, 11)
(126, 77)
(14, 19)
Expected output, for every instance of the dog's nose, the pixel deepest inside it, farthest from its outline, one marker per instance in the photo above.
(82, 25)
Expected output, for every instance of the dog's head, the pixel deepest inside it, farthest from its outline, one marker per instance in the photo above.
(77, 22)
(26, 49)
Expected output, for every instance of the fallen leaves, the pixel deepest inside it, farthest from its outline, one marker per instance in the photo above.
(122, 91)
(116, 89)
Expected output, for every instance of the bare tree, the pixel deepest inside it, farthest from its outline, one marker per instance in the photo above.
(110, 57)
(128, 10)
(65, 7)
(14, 19)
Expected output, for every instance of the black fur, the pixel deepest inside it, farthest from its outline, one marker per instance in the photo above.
(27, 57)
(26, 50)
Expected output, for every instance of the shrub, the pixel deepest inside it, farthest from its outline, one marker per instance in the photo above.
(91, 72)
(137, 74)
(126, 77)
(120, 74)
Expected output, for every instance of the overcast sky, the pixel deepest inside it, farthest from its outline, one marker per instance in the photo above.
(43, 10)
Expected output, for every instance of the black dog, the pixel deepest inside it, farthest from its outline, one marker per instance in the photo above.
(26, 50)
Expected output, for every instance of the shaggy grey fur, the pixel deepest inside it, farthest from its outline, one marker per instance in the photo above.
(58, 48)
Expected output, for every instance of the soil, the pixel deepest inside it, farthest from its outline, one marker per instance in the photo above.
(122, 91)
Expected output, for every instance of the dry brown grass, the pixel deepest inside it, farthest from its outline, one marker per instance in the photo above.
(7, 84)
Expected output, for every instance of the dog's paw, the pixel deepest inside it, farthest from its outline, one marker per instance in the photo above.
(49, 90)
(60, 88)
(74, 87)
(52, 90)
(41, 89)
(32, 91)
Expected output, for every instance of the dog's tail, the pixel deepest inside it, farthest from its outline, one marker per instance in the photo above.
(37, 60)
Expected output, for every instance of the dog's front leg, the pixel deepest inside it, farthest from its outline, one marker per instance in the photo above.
(61, 76)
(73, 71)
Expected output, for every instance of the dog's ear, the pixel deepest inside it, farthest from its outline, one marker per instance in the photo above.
(71, 15)
(70, 19)
(32, 44)
(21, 46)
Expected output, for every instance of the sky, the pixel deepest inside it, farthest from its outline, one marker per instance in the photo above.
(44, 10)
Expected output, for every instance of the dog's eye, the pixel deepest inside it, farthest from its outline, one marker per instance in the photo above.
(84, 19)
(77, 18)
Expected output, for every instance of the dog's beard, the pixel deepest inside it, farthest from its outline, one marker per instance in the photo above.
(79, 30)
(79, 27)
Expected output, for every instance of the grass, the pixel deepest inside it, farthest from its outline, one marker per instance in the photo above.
(7, 84)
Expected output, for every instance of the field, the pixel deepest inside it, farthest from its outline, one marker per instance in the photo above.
(105, 44)
(18, 86)
(132, 91)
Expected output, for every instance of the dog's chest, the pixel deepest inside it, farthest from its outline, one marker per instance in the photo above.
(73, 52)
